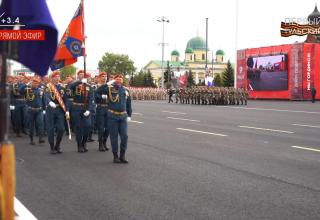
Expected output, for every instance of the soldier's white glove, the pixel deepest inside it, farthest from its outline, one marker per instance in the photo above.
(104, 96)
(44, 112)
(86, 113)
(84, 80)
(128, 119)
(67, 115)
(110, 82)
(52, 104)
(12, 107)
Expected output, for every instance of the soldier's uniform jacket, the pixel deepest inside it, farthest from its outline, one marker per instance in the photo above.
(119, 100)
(82, 95)
(50, 96)
(33, 96)
(101, 90)
(16, 96)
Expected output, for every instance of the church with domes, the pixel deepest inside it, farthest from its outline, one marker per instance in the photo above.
(194, 60)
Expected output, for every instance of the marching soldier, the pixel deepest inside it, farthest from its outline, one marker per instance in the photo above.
(18, 106)
(101, 99)
(82, 103)
(35, 108)
(119, 113)
(56, 102)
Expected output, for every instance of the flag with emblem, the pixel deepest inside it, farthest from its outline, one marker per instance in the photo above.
(71, 44)
(29, 15)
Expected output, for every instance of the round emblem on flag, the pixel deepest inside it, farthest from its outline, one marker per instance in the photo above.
(75, 47)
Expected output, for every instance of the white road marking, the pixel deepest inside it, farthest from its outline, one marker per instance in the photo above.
(202, 132)
(306, 148)
(22, 212)
(138, 122)
(270, 109)
(309, 126)
(181, 113)
(266, 129)
(137, 113)
(183, 119)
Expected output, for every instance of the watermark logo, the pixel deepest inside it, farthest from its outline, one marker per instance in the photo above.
(10, 29)
(300, 27)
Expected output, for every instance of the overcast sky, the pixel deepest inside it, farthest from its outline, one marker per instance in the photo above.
(131, 27)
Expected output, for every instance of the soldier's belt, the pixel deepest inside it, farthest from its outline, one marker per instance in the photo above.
(35, 109)
(70, 99)
(78, 104)
(20, 99)
(103, 105)
(116, 112)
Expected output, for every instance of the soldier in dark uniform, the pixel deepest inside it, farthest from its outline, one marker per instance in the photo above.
(55, 113)
(82, 103)
(119, 113)
(35, 107)
(18, 105)
(101, 99)
(69, 95)
(93, 107)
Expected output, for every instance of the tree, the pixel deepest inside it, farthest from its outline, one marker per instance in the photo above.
(116, 63)
(190, 80)
(148, 79)
(67, 71)
(228, 75)
(218, 80)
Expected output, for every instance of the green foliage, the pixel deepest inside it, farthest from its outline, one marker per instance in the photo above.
(67, 71)
(190, 80)
(228, 76)
(143, 79)
(218, 80)
(116, 63)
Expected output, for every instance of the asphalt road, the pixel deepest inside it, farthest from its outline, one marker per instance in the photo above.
(260, 161)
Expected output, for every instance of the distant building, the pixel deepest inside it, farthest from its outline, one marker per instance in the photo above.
(194, 60)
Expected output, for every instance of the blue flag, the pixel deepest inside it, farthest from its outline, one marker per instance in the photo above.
(35, 15)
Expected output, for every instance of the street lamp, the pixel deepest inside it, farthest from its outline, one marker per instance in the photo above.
(163, 20)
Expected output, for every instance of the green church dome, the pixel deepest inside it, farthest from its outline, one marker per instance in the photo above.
(189, 50)
(175, 53)
(220, 52)
(197, 43)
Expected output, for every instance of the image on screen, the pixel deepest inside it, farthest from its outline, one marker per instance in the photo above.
(268, 72)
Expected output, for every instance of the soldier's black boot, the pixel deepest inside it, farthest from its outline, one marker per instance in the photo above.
(31, 141)
(122, 157)
(41, 139)
(80, 148)
(105, 144)
(84, 144)
(52, 150)
(101, 148)
(116, 158)
(90, 137)
(58, 149)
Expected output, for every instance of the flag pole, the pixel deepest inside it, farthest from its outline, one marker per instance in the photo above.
(7, 153)
(84, 42)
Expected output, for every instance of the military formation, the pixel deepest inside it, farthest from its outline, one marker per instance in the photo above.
(51, 107)
(203, 95)
(148, 93)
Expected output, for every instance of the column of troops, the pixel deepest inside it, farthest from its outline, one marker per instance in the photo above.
(50, 107)
(209, 95)
(148, 93)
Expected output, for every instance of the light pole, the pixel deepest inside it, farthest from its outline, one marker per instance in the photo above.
(163, 20)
